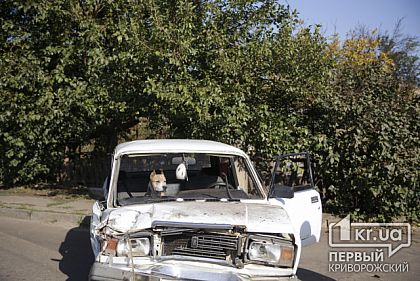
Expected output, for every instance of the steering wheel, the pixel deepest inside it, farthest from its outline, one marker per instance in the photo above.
(218, 184)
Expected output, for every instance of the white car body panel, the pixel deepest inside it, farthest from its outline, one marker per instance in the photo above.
(307, 221)
(176, 145)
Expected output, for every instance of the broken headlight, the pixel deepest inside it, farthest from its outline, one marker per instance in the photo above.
(272, 251)
(138, 247)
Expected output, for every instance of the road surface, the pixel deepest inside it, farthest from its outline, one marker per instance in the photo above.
(35, 251)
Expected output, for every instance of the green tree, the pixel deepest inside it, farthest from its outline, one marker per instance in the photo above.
(403, 50)
(68, 75)
(245, 75)
(370, 159)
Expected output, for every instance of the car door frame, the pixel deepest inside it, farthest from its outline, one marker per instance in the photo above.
(302, 199)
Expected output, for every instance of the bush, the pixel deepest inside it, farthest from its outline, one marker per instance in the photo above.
(369, 162)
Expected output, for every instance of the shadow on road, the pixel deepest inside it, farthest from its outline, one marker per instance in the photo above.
(77, 256)
(308, 275)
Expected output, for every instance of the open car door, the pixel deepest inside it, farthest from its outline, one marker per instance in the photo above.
(292, 187)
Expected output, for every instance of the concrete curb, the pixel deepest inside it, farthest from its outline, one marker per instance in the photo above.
(43, 216)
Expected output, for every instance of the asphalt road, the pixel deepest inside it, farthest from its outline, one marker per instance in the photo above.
(35, 251)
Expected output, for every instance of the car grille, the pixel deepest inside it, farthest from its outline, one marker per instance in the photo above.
(201, 245)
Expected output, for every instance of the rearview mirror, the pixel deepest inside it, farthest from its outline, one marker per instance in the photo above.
(187, 160)
(96, 193)
(282, 191)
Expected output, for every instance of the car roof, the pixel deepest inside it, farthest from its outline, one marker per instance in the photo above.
(176, 146)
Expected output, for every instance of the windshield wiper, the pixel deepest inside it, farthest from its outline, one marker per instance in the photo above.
(227, 188)
(161, 199)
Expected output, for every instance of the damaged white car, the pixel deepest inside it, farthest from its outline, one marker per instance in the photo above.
(197, 210)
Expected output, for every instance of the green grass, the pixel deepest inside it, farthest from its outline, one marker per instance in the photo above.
(17, 206)
(57, 203)
(47, 191)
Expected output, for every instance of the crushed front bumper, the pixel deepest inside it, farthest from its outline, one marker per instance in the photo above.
(178, 271)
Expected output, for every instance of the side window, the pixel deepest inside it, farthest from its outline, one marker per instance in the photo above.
(293, 170)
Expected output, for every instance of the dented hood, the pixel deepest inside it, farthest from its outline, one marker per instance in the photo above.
(256, 217)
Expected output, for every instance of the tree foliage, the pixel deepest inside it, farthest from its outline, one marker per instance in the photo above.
(243, 72)
(370, 166)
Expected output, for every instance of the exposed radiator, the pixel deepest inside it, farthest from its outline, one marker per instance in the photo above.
(201, 245)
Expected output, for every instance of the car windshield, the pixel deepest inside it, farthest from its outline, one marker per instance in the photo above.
(184, 176)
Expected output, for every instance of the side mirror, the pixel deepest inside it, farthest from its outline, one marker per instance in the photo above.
(96, 193)
(282, 191)
(99, 193)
